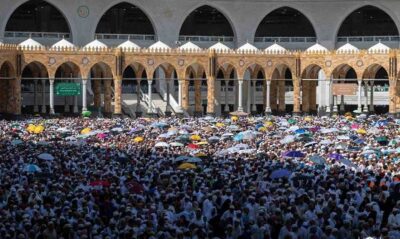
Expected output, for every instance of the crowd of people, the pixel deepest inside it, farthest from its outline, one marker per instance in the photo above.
(239, 177)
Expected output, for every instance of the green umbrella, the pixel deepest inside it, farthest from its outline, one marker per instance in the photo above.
(292, 121)
(86, 113)
(381, 139)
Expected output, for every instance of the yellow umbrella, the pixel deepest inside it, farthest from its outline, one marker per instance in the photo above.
(202, 143)
(361, 131)
(349, 117)
(39, 129)
(187, 166)
(31, 128)
(86, 130)
(138, 139)
(201, 154)
(234, 118)
(219, 125)
(269, 124)
(262, 129)
(195, 137)
(308, 119)
(348, 114)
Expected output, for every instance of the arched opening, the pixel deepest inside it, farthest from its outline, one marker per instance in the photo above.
(310, 86)
(34, 88)
(7, 88)
(285, 24)
(345, 75)
(124, 21)
(164, 77)
(229, 99)
(195, 89)
(134, 86)
(100, 87)
(281, 84)
(368, 24)
(206, 24)
(253, 89)
(37, 19)
(376, 89)
(69, 74)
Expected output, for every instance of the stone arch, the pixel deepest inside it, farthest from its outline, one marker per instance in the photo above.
(8, 87)
(367, 30)
(67, 69)
(309, 85)
(36, 67)
(342, 72)
(125, 7)
(372, 70)
(296, 16)
(101, 82)
(228, 69)
(28, 8)
(226, 18)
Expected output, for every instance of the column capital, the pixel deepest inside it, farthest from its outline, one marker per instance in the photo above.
(51, 80)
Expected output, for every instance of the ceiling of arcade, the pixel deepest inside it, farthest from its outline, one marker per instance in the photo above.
(180, 62)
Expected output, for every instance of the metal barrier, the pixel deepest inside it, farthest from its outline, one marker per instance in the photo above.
(206, 38)
(285, 39)
(139, 37)
(55, 35)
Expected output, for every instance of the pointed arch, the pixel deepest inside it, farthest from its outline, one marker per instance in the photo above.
(38, 16)
(125, 18)
(67, 70)
(285, 22)
(35, 68)
(207, 20)
(368, 21)
(344, 71)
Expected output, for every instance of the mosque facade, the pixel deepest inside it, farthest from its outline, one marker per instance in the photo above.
(203, 57)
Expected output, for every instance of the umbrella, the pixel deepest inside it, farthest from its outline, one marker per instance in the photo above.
(63, 130)
(101, 136)
(220, 125)
(280, 173)
(326, 142)
(138, 139)
(382, 139)
(161, 145)
(193, 146)
(238, 137)
(247, 151)
(176, 144)
(318, 159)
(187, 166)
(301, 131)
(32, 168)
(39, 129)
(248, 134)
(288, 139)
(359, 141)
(241, 146)
(86, 131)
(361, 131)
(292, 121)
(347, 162)
(233, 127)
(195, 137)
(16, 142)
(227, 135)
(213, 139)
(310, 144)
(293, 154)
(343, 137)
(102, 183)
(336, 156)
(46, 156)
(86, 113)
(165, 136)
(194, 160)
(202, 143)
(159, 125)
(239, 113)
(182, 158)
(117, 129)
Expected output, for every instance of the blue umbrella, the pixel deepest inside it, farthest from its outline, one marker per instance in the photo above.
(32, 168)
(318, 159)
(301, 131)
(182, 158)
(359, 141)
(238, 137)
(159, 125)
(280, 173)
(336, 156)
(293, 154)
(347, 162)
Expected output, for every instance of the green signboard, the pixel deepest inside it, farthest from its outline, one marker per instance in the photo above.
(68, 89)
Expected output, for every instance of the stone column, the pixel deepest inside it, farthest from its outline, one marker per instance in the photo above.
(211, 95)
(273, 94)
(84, 92)
(296, 95)
(226, 107)
(281, 96)
(365, 110)
(341, 108)
(107, 96)
(371, 98)
(248, 98)
(253, 97)
(268, 100)
(313, 96)
(185, 94)
(16, 96)
(35, 103)
(138, 112)
(305, 106)
(180, 95)
(240, 96)
(52, 96)
(168, 107)
(217, 97)
(97, 93)
(328, 96)
(43, 96)
(117, 95)
(198, 109)
(392, 95)
(149, 93)
(359, 108)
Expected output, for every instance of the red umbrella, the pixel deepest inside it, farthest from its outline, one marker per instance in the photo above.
(193, 146)
(135, 187)
(100, 183)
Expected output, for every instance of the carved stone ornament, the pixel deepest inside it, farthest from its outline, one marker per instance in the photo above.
(360, 63)
(328, 63)
(181, 62)
(241, 63)
(52, 60)
(85, 61)
(269, 63)
(150, 62)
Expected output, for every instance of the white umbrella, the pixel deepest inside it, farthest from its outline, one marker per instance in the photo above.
(46, 156)
(343, 137)
(117, 129)
(241, 146)
(161, 145)
(247, 151)
(288, 139)
(326, 142)
(176, 144)
(70, 138)
(63, 130)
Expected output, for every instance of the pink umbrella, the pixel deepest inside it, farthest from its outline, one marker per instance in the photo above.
(101, 135)
(355, 126)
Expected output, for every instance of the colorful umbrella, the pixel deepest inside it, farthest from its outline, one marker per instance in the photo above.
(336, 156)
(46, 156)
(187, 166)
(195, 137)
(193, 146)
(280, 173)
(318, 159)
(86, 114)
(293, 154)
(176, 144)
(86, 130)
(138, 139)
(161, 145)
(32, 168)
